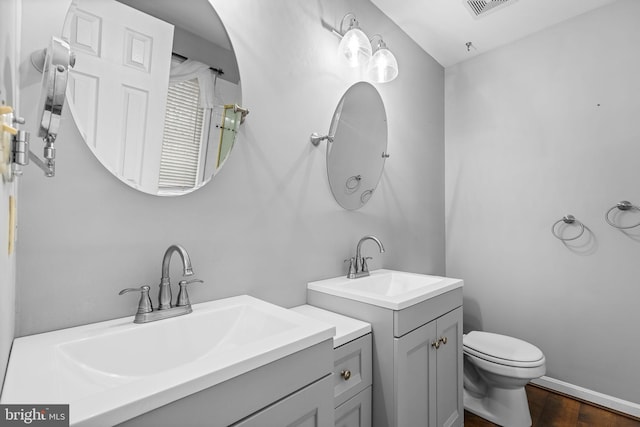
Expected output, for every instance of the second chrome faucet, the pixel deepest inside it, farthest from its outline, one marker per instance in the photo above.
(358, 264)
(145, 312)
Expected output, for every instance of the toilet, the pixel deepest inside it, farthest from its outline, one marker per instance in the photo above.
(496, 369)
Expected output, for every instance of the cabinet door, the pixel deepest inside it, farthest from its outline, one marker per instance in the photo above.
(310, 407)
(355, 412)
(449, 369)
(415, 378)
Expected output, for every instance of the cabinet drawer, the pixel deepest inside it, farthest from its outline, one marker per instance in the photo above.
(352, 368)
(405, 321)
(355, 412)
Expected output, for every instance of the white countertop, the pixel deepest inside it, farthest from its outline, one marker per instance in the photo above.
(395, 290)
(347, 328)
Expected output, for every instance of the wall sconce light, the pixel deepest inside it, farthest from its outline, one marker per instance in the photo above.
(383, 66)
(357, 49)
(355, 45)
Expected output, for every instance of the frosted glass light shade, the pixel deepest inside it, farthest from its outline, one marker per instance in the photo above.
(355, 47)
(383, 66)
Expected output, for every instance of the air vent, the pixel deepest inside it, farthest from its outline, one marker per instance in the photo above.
(480, 8)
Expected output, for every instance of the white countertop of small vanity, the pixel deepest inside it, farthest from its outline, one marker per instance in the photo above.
(347, 328)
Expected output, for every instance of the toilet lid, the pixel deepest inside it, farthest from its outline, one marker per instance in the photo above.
(501, 348)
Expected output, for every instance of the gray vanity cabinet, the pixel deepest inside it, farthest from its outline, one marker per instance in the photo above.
(416, 382)
(352, 383)
(355, 412)
(310, 407)
(426, 364)
(352, 366)
(295, 390)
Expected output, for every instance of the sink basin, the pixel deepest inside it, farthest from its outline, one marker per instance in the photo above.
(146, 351)
(101, 368)
(388, 288)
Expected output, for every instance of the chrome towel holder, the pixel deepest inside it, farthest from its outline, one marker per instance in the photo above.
(567, 219)
(623, 206)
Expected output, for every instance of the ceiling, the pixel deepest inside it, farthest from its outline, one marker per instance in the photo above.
(443, 27)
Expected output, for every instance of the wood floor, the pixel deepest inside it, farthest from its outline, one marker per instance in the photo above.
(549, 409)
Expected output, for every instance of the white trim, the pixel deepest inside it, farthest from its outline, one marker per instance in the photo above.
(601, 399)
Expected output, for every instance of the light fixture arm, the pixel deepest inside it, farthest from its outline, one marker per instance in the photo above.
(352, 23)
(380, 43)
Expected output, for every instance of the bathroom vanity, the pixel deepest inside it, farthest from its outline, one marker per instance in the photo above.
(244, 362)
(237, 361)
(417, 342)
(352, 372)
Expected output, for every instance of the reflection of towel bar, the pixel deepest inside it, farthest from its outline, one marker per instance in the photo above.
(238, 109)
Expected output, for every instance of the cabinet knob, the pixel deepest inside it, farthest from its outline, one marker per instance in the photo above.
(436, 344)
(443, 340)
(346, 374)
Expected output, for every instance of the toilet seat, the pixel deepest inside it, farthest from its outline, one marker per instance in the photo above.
(502, 349)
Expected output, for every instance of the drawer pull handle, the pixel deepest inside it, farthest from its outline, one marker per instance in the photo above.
(346, 374)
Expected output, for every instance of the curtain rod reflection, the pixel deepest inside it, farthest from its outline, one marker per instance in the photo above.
(218, 71)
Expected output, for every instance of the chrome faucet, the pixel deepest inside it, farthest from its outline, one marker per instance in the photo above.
(145, 312)
(358, 265)
(164, 298)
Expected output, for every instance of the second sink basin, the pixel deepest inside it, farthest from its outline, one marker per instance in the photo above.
(387, 288)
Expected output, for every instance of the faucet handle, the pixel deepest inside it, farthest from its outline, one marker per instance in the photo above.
(183, 296)
(352, 267)
(144, 305)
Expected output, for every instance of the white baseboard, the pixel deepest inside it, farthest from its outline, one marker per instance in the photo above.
(601, 399)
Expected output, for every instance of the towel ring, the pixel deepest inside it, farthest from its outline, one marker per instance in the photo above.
(353, 183)
(567, 219)
(365, 196)
(623, 206)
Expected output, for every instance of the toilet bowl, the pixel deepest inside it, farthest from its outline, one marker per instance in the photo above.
(496, 369)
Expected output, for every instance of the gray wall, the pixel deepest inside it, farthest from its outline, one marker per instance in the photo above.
(544, 127)
(9, 29)
(268, 223)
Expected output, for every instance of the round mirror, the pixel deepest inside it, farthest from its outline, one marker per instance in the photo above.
(155, 91)
(356, 155)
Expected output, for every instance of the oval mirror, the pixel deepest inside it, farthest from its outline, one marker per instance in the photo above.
(356, 155)
(155, 90)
